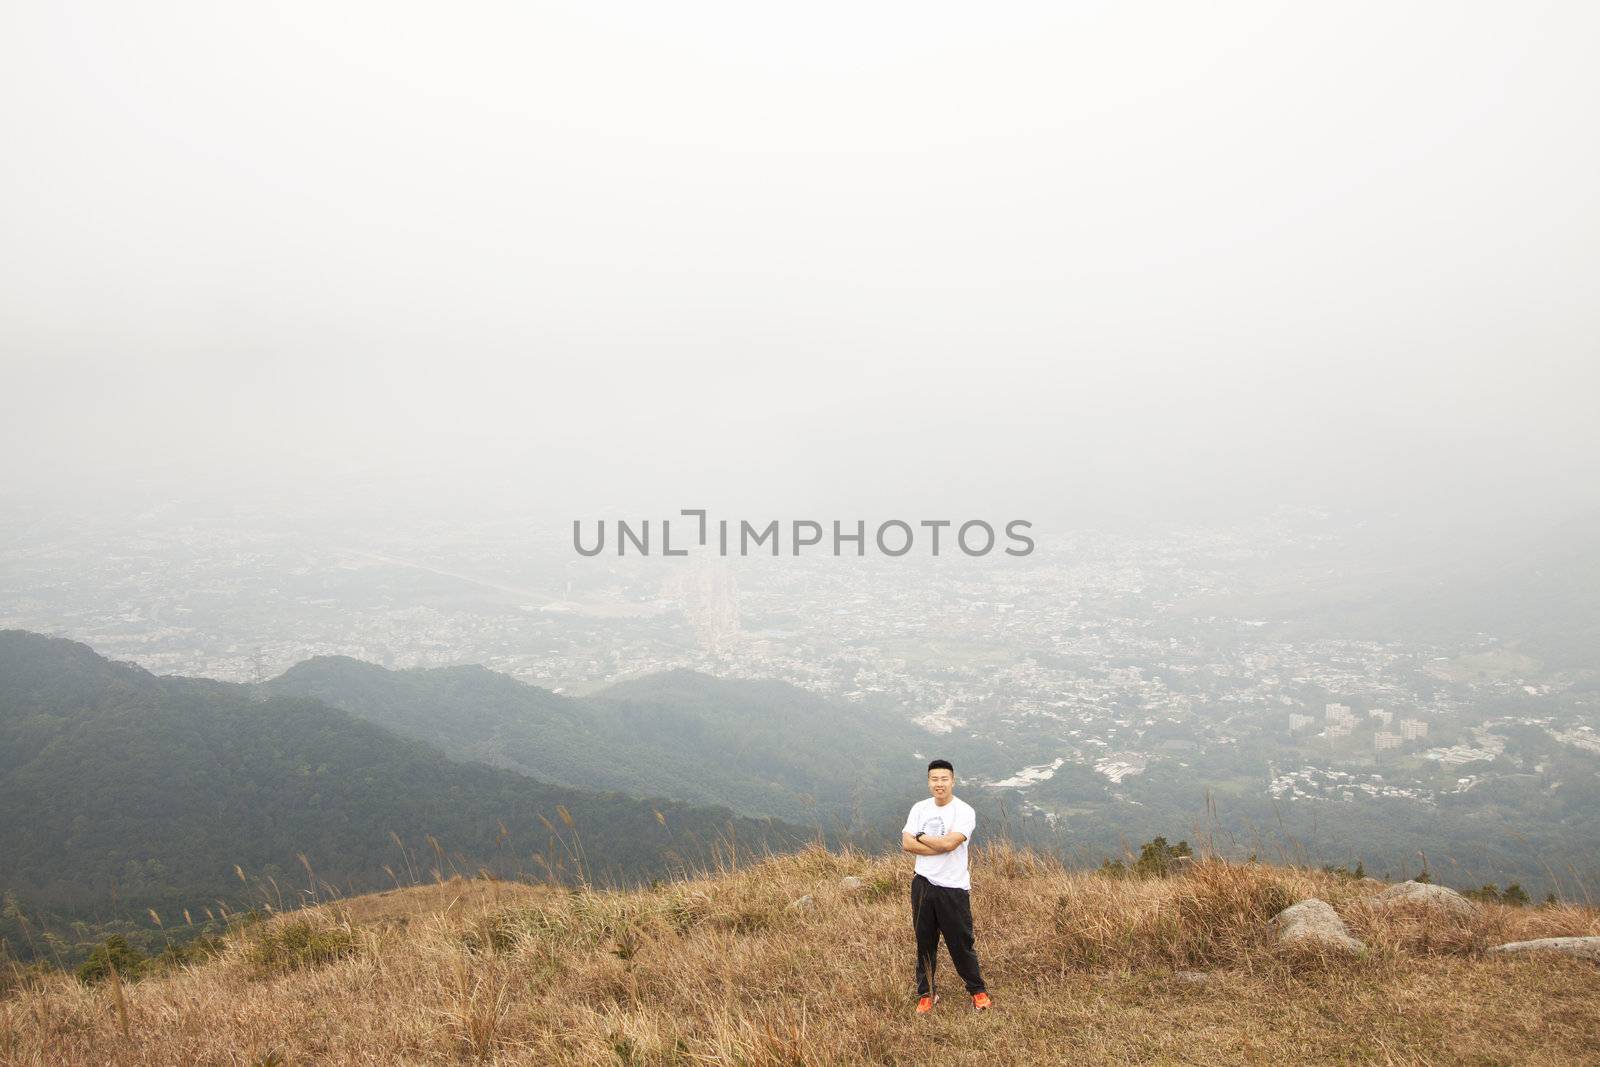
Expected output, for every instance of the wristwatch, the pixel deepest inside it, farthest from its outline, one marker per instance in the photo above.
(919, 834)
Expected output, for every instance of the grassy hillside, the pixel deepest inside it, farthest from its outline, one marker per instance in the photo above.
(726, 968)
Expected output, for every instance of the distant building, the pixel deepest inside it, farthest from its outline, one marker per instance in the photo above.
(1411, 729)
(1300, 722)
(1383, 739)
(1340, 719)
(1385, 717)
(709, 596)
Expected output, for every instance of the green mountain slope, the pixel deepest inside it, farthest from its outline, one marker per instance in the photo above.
(117, 785)
(759, 747)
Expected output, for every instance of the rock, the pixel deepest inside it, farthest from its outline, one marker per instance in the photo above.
(850, 881)
(1191, 977)
(1313, 923)
(1586, 947)
(1178, 866)
(801, 904)
(1427, 894)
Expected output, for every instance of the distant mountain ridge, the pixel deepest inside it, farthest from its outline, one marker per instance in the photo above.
(118, 785)
(761, 747)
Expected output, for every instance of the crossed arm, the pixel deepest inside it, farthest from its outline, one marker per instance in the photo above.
(931, 844)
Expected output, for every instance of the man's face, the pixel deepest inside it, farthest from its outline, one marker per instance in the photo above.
(940, 783)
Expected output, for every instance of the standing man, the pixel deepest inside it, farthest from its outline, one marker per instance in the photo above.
(936, 832)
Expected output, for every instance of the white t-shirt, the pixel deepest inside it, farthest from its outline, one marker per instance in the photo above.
(948, 869)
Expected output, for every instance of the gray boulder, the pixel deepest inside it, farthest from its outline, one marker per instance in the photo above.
(1427, 894)
(849, 881)
(1586, 947)
(1191, 977)
(1314, 924)
(801, 903)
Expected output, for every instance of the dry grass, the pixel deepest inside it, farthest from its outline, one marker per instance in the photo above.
(722, 970)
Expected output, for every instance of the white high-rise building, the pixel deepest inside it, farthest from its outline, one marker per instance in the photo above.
(1340, 719)
(1411, 729)
(709, 595)
(1384, 739)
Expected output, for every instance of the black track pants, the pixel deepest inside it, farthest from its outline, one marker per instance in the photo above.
(937, 910)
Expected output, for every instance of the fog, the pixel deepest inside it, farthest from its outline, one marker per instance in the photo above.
(826, 259)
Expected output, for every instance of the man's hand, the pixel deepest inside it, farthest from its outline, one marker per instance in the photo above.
(931, 844)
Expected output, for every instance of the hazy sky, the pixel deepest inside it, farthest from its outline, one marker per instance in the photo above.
(814, 258)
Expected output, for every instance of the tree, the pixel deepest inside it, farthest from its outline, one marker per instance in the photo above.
(114, 951)
(1158, 859)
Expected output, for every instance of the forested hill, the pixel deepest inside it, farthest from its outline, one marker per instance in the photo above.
(760, 747)
(121, 789)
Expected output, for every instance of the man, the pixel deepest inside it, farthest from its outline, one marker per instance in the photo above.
(936, 832)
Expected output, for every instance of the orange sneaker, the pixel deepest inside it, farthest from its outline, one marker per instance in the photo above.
(925, 1004)
(981, 1002)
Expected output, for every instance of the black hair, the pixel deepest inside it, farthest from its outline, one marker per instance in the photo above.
(941, 765)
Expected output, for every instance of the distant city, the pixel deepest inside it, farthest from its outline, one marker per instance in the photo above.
(1101, 654)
